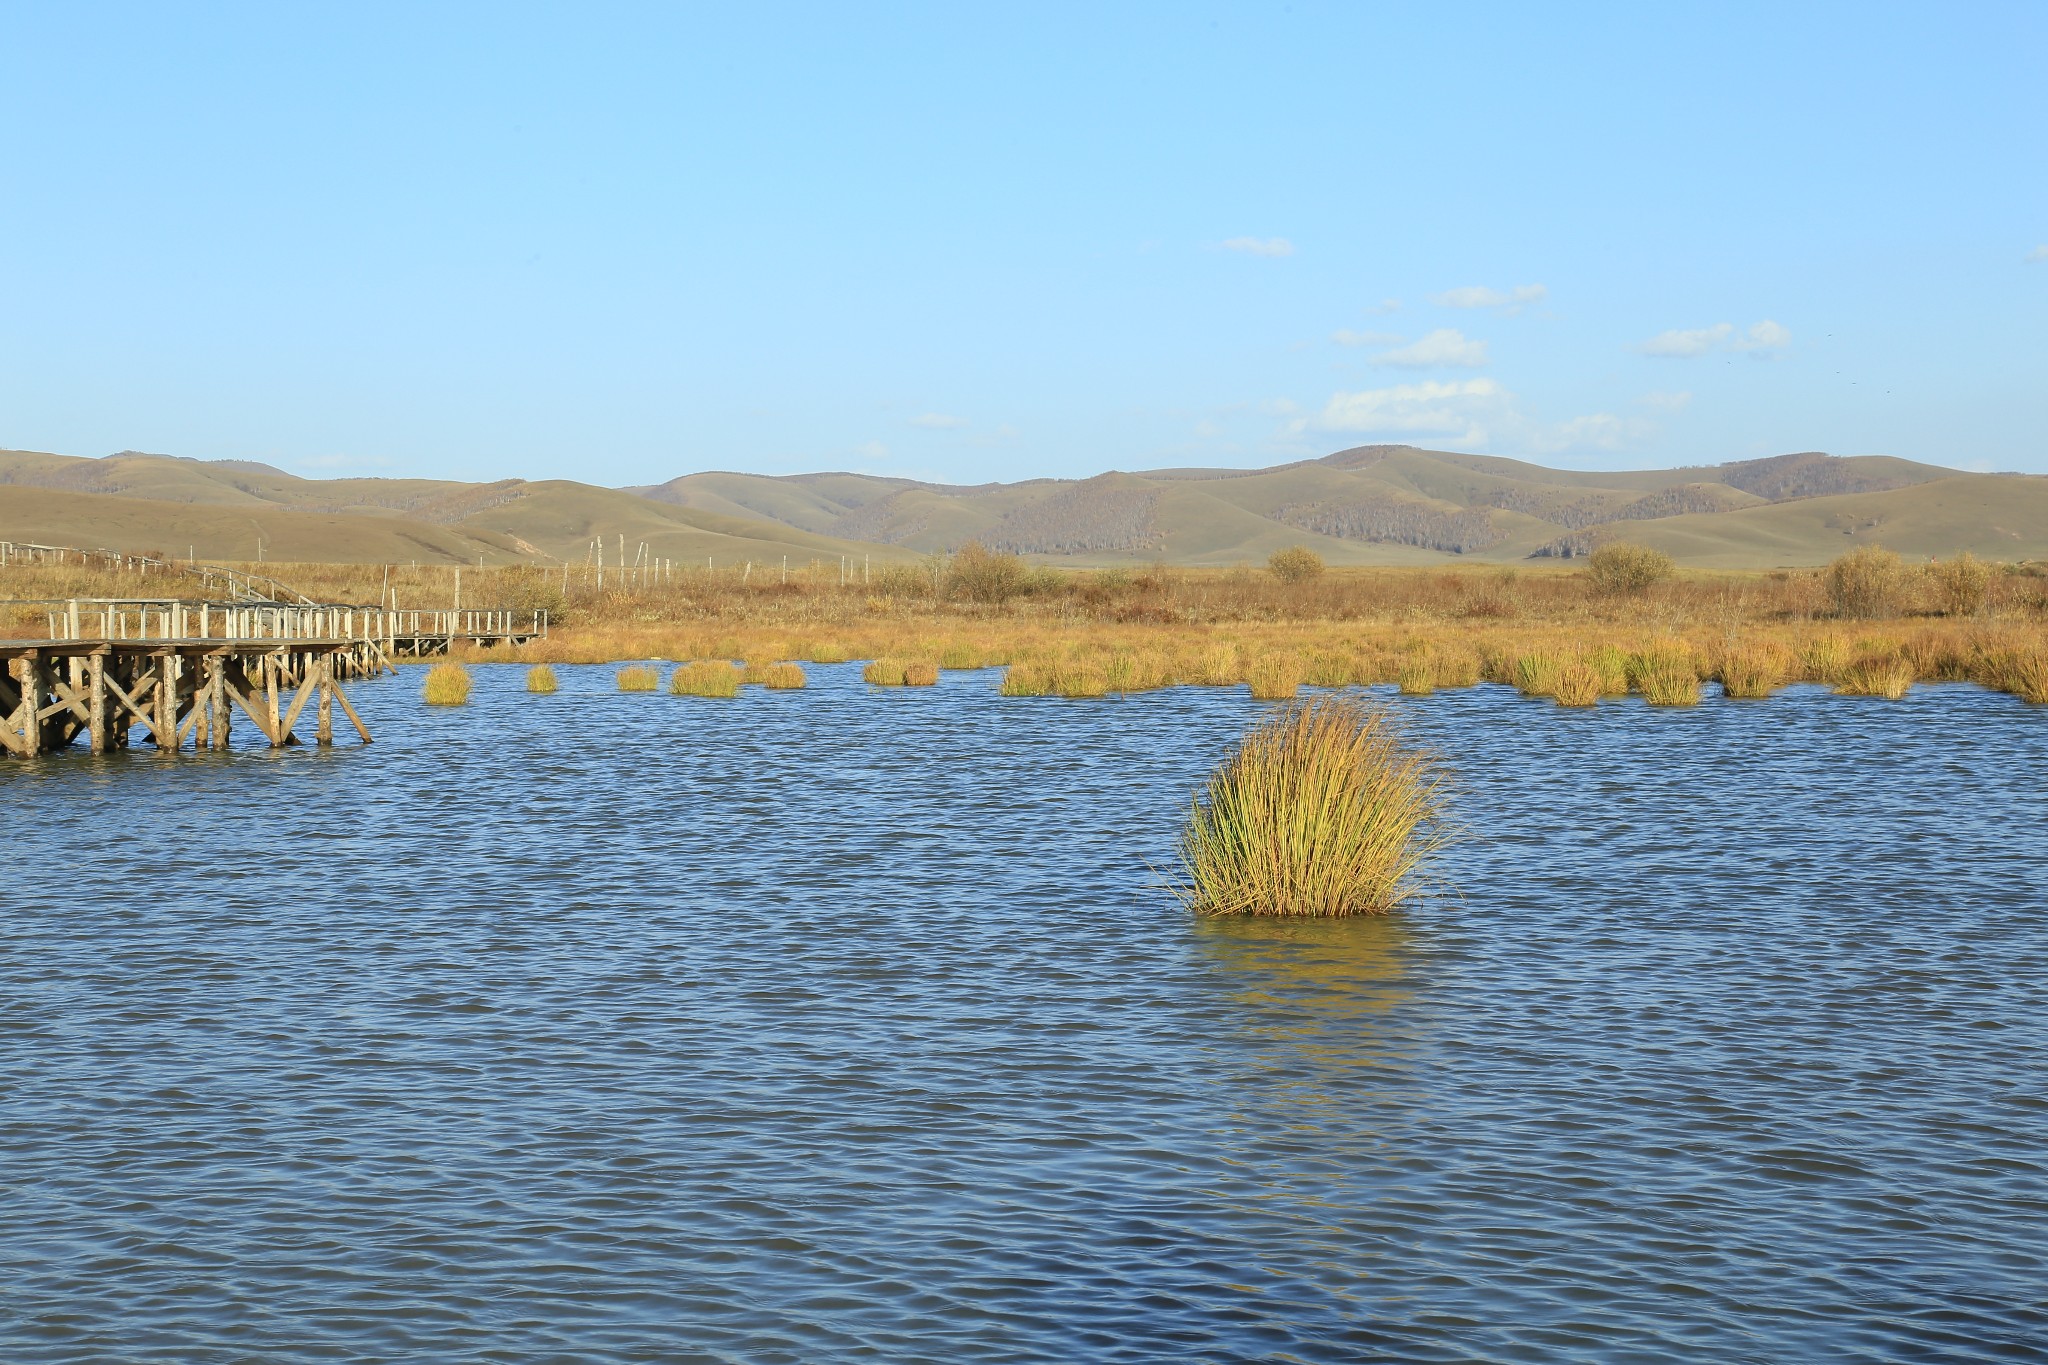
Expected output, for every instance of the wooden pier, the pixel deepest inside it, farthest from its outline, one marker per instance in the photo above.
(172, 690)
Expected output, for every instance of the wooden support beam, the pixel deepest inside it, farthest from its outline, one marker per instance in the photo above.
(97, 721)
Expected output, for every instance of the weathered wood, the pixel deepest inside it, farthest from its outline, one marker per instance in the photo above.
(96, 704)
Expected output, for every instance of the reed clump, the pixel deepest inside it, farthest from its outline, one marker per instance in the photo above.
(638, 678)
(1666, 674)
(2020, 670)
(883, 673)
(1577, 684)
(1418, 675)
(1536, 674)
(784, 677)
(920, 675)
(1027, 679)
(1323, 811)
(1275, 677)
(447, 685)
(1751, 672)
(706, 678)
(540, 679)
(1887, 677)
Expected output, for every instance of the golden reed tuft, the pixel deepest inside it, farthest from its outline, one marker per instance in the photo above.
(638, 678)
(541, 679)
(447, 685)
(1323, 810)
(706, 678)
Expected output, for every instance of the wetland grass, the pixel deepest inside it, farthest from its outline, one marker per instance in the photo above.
(1578, 685)
(1275, 677)
(706, 678)
(920, 675)
(1418, 675)
(782, 677)
(540, 679)
(1751, 672)
(884, 673)
(1666, 674)
(1323, 811)
(447, 685)
(638, 678)
(1890, 678)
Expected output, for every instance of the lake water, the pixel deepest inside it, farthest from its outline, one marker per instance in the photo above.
(846, 1024)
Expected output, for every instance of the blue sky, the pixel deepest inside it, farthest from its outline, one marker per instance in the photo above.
(619, 243)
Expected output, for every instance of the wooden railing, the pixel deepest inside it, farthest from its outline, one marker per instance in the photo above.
(170, 619)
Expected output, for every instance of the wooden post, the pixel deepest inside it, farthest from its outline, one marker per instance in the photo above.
(326, 731)
(96, 703)
(166, 724)
(29, 670)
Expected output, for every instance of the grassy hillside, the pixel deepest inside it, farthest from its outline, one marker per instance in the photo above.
(1361, 506)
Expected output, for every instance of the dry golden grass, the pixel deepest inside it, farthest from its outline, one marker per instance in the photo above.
(1418, 675)
(638, 678)
(1322, 811)
(1577, 684)
(1751, 671)
(447, 684)
(1274, 677)
(706, 678)
(1666, 673)
(540, 679)
(1879, 676)
(782, 677)
(920, 674)
(884, 673)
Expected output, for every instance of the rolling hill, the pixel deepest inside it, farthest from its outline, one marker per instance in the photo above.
(1364, 505)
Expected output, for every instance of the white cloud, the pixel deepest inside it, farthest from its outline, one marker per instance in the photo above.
(1444, 346)
(1279, 407)
(871, 450)
(1479, 296)
(1457, 410)
(1344, 336)
(1667, 400)
(1765, 336)
(1260, 246)
(1763, 341)
(1386, 306)
(938, 421)
(1594, 431)
(1680, 344)
(2039, 253)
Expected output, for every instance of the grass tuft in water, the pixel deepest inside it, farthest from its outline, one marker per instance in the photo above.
(1323, 810)
(541, 679)
(1666, 674)
(1275, 677)
(1418, 676)
(706, 678)
(782, 677)
(883, 673)
(1577, 684)
(447, 685)
(1890, 678)
(1751, 672)
(638, 678)
(921, 675)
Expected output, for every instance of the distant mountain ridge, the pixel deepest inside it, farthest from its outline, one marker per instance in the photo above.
(1377, 504)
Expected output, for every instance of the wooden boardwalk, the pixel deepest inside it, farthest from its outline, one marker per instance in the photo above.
(171, 690)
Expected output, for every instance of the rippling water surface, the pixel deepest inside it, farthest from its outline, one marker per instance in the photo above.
(853, 1025)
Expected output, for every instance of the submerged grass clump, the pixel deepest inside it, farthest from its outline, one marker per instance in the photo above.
(447, 685)
(782, 677)
(1322, 811)
(706, 678)
(637, 678)
(541, 679)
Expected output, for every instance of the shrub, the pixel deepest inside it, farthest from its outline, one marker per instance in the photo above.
(540, 678)
(1322, 811)
(447, 685)
(1296, 564)
(706, 678)
(981, 575)
(1961, 584)
(1865, 582)
(1621, 567)
(637, 678)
